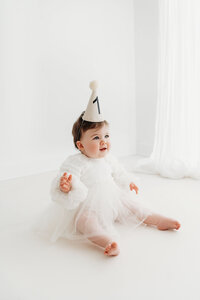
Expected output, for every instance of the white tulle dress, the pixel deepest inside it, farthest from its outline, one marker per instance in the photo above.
(100, 196)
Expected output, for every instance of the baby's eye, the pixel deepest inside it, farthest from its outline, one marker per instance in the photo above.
(96, 138)
(106, 136)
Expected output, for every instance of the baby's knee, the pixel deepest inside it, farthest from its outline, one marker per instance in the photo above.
(88, 224)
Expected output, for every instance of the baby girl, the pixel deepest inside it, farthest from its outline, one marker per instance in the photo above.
(93, 191)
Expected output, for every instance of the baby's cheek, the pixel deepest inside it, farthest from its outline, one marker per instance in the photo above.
(93, 147)
(108, 145)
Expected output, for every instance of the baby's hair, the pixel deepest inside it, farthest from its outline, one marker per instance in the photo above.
(81, 126)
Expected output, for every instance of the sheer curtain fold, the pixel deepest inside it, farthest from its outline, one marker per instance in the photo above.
(176, 151)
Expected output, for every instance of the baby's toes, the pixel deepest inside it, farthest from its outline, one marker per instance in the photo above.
(112, 249)
(178, 225)
(174, 225)
(107, 250)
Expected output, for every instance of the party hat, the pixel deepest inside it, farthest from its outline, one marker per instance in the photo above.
(93, 111)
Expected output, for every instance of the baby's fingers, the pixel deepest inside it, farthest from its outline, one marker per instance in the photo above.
(70, 178)
(65, 184)
(65, 188)
(63, 180)
(136, 189)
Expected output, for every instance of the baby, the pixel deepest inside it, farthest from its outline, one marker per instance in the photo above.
(93, 191)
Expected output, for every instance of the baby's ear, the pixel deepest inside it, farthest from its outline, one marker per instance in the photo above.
(79, 145)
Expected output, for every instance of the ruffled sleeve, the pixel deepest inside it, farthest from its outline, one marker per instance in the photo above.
(78, 193)
(122, 177)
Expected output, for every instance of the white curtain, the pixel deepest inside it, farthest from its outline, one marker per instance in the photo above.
(176, 152)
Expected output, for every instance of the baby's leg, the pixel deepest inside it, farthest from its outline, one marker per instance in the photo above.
(161, 222)
(88, 224)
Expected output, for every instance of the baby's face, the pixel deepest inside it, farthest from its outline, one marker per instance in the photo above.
(95, 143)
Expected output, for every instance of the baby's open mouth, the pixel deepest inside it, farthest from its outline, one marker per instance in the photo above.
(103, 149)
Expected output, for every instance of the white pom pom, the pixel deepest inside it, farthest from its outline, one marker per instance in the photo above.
(94, 85)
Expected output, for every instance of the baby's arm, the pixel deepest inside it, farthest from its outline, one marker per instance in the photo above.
(65, 183)
(123, 178)
(68, 190)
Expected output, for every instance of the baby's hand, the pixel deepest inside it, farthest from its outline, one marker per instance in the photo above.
(65, 183)
(133, 187)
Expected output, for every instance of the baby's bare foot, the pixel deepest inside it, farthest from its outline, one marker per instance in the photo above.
(166, 223)
(112, 250)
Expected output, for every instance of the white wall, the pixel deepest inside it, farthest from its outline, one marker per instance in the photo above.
(146, 60)
(50, 50)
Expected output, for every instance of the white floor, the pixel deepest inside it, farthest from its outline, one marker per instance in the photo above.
(152, 264)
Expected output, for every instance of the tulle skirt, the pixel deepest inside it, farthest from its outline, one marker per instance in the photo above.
(105, 204)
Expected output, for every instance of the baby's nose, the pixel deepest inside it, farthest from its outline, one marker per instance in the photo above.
(102, 142)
